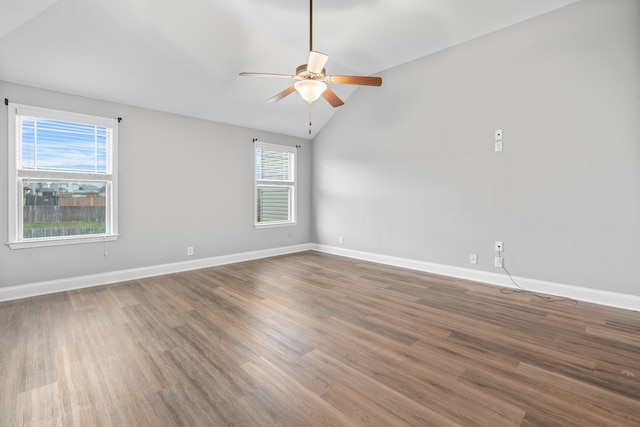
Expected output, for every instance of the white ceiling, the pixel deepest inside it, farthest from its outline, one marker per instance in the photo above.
(184, 56)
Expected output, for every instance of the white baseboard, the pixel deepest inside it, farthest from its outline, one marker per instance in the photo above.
(612, 299)
(52, 286)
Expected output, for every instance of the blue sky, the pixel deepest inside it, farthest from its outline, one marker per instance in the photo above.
(63, 146)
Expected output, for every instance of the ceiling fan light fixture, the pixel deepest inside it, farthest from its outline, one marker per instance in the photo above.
(310, 90)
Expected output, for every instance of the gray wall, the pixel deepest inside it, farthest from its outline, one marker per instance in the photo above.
(183, 182)
(409, 170)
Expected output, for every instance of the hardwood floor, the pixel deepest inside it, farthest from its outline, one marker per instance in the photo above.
(314, 339)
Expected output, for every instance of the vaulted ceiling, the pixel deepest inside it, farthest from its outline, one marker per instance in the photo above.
(184, 56)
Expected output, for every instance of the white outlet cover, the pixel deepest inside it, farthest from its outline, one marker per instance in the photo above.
(498, 134)
(473, 259)
(498, 146)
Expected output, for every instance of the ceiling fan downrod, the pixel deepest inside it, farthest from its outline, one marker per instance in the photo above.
(310, 25)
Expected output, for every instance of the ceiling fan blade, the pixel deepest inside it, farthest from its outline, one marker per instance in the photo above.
(288, 91)
(354, 80)
(332, 98)
(316, 62)
(282, 76)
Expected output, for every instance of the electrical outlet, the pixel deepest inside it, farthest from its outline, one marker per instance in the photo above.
(499, 246)
(498, 146)
(473, 259)
(189, 250)
(340, 240)
(498, 262)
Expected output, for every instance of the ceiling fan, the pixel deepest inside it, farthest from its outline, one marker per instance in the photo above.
(312, 77)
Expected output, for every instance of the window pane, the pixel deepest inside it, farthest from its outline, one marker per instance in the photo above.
(63, 146)
(273, 204)
(63, 208)
(273, 165)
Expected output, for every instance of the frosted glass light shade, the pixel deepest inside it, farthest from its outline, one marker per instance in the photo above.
(310, 90)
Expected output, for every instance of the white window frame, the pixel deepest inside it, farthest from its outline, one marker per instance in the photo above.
(292, 185)
(16, 175)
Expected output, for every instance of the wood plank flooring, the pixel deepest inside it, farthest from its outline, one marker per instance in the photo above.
(312, 339)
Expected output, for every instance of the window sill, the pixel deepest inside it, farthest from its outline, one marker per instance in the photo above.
(274, 225)
(39, 243)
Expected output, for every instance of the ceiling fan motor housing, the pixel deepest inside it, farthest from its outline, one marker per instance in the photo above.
(304, 74)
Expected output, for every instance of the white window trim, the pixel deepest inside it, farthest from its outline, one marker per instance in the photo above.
(292, 206)
(15, 215)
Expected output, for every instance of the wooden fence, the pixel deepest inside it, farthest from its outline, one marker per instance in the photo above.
(53, 214)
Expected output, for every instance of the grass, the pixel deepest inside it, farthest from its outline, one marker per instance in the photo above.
(67, 224)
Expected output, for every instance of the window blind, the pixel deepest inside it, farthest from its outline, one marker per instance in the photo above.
(275, 184)
(62, 146)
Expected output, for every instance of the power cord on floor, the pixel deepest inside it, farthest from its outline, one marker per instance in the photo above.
(520, 289)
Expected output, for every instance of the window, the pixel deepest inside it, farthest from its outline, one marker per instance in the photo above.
(62, 186)
(275, 189)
